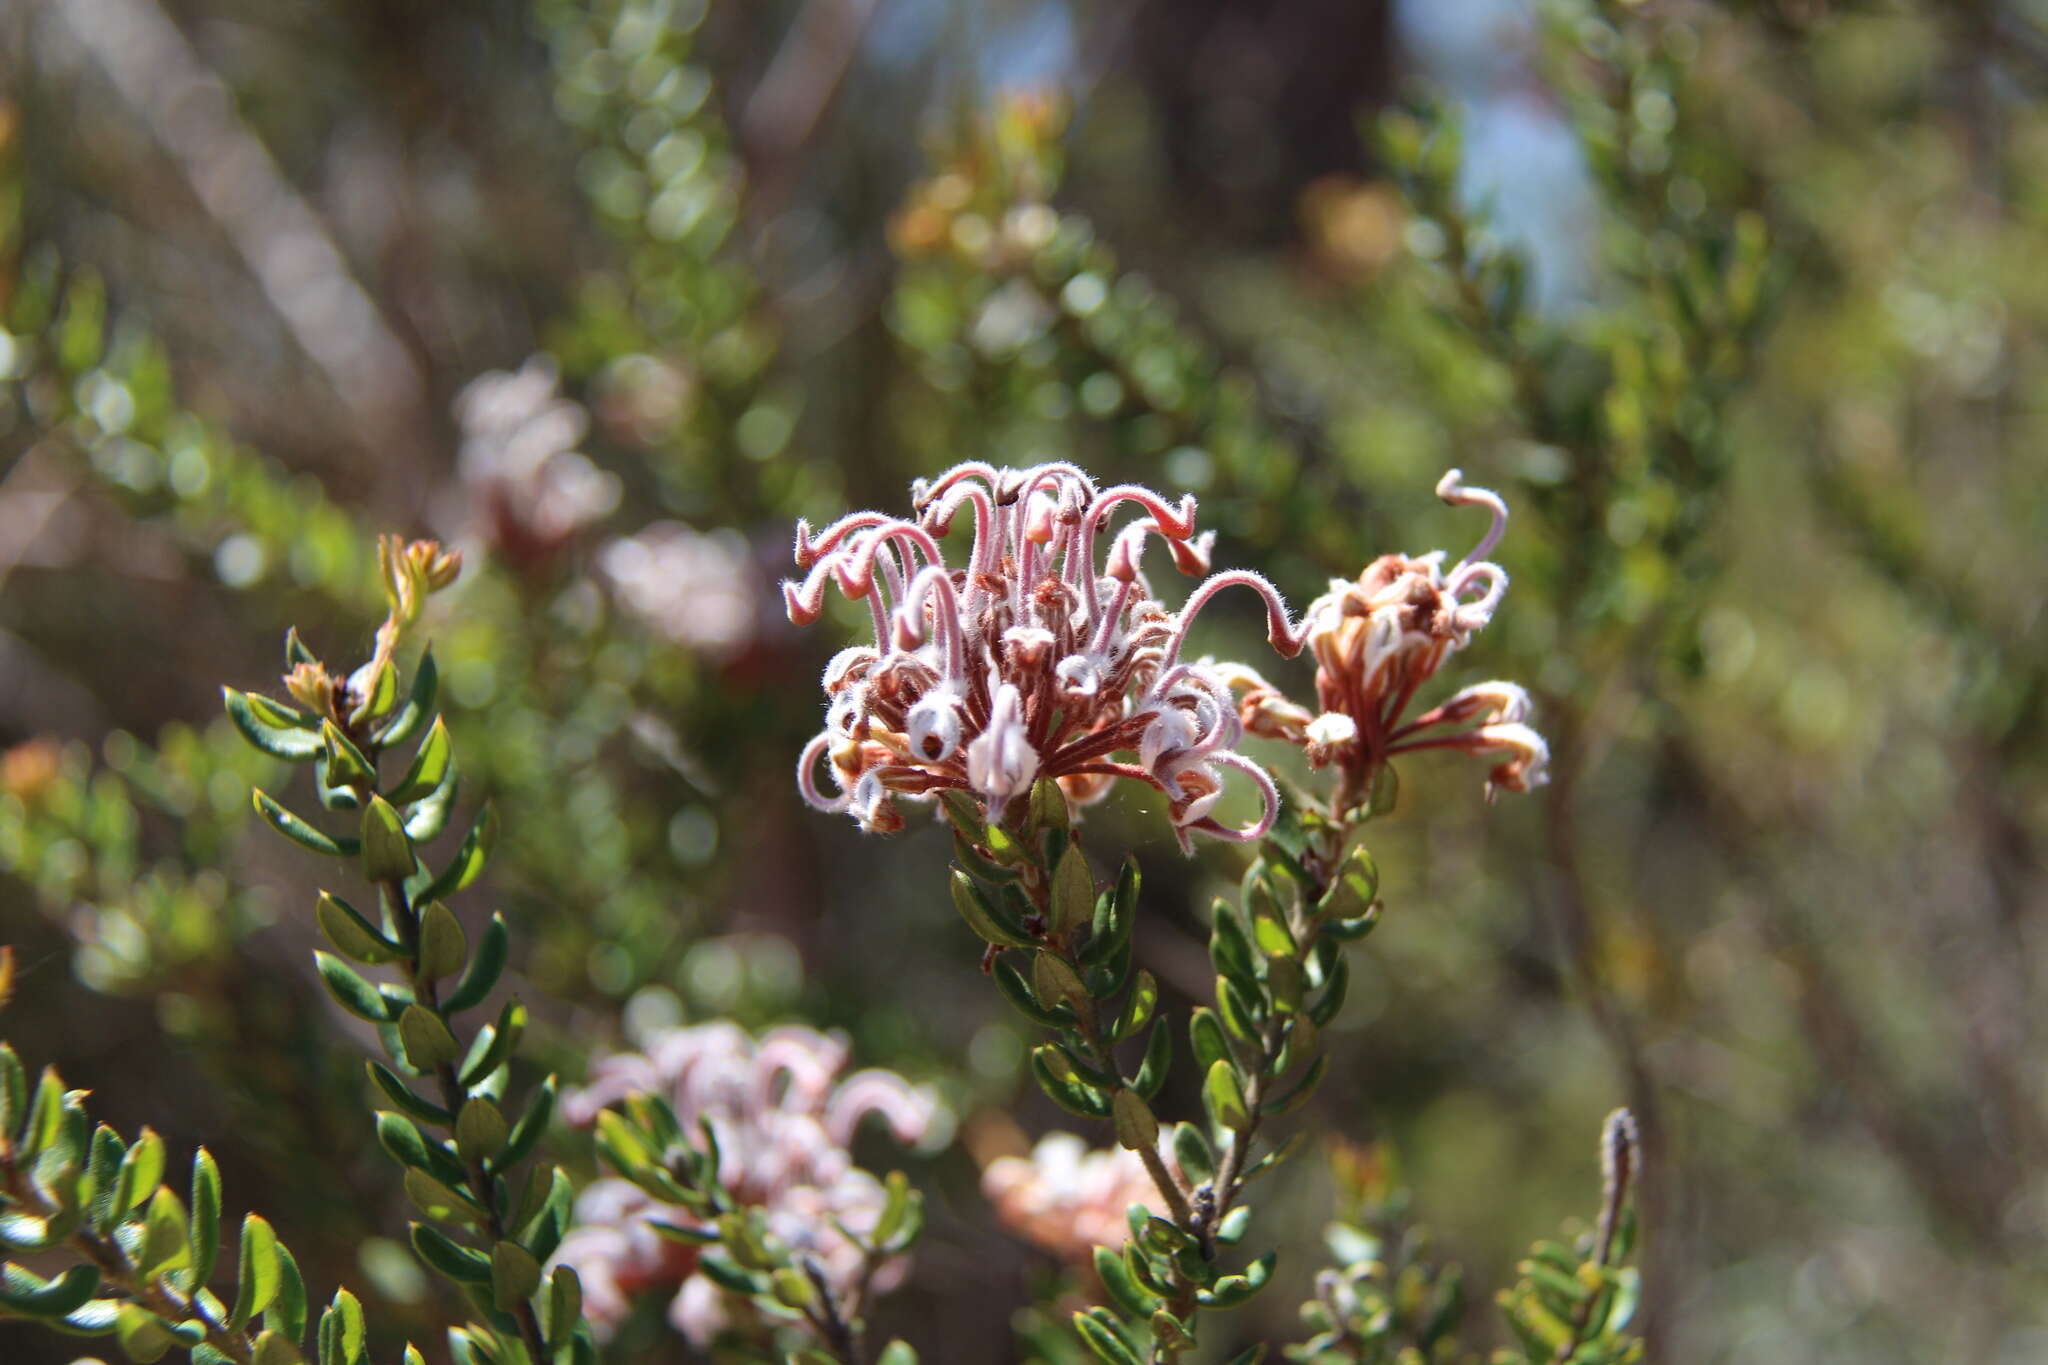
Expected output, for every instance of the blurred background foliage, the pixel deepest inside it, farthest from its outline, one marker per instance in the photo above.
(1740, 305)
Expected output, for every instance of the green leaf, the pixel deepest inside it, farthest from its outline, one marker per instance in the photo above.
(440, 1202)
(722, 1272)
(1003, 845)
(1205, 1036)
(1230, 1229)
(1136, 1128)
(545, 1230)
(443, 945)
(1049, 805)
(484, 969)
(429, 815)
(983, 916)
(480, 1130)
(1386, 790)
(528, 1130)
(469, 860)
(142, 1334)
(1271, 934)
(1123, 1286)
(1138, 1008)
(431, 766)
(13, 1091)
(346, 765)
(205, 1224)
(287, 1312)
(1193, 1154)
(565, 1304)
(402, 1095)
(1229, 948)
(792, 1288)
(898, 1352)
(1074, 1096)
(1010, 984)
(1298, 1095)
(895, 1209)
(141, 1171)
(1324, 1007)
(166, 1236)
(1103, 1342)
(515, 1275)
(1232, 1290)
(1055, 983)
(504, 1038)
(1240, 1017)
(256, 1278)
(274, 1348)
(1116, 912)
(96, 1318)
(351, 1333)
(45, 1115)
(299, 832)
(281, 733)
(1158, 1061)
(1224, 1098)
(30, 1295)
(334, 793)
(380, 692)
(1073, 891)
(349, 990)
(350, 933)
(1352, 893)
(410, 1148)
(419, 706)
(428, 1043)
(387, 853)
(459, 1263)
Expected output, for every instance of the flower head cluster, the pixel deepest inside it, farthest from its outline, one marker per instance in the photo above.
(1033, 661)
(1376, 641)
(1067, 1198)
(783, 1117)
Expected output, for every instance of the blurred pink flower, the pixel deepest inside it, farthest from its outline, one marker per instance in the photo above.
(1066, 1198)
(698, 590)
(784, 1118)
(518, 458)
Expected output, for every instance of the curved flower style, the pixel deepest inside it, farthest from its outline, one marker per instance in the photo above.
(784, 1118)
(1376, 641)
(1066, 1198)
(1029, 662)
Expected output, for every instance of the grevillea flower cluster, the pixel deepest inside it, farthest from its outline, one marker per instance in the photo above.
(1066, 1197)
(1376, 641)
(783, 1117)
(1034, 660)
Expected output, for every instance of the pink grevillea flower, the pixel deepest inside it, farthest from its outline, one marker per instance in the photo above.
(784, 1118)
(1066, 1198)
(1032, 661)
(1376, 641)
